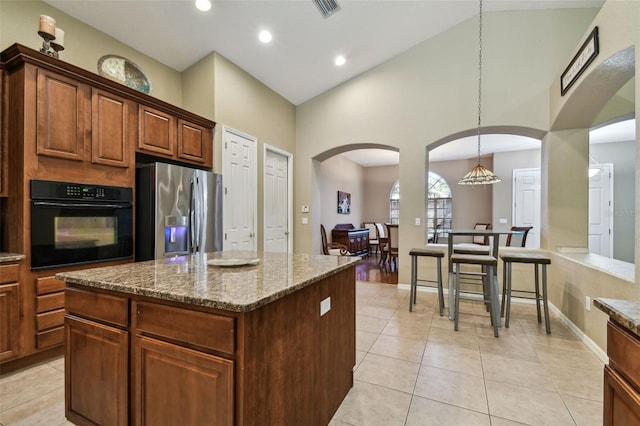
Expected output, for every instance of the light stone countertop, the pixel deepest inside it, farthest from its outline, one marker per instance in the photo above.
(625, 312)
(189, 279)
(11, 257)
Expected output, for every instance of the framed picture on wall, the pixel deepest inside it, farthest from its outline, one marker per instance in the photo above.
(344, 202)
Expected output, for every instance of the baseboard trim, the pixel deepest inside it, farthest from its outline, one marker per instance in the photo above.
(593, 347)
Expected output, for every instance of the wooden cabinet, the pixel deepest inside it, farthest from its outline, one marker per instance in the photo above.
(622, 377)
(357, 240)
(113, 129)
(196, 365)
(49, 312)
(164, 135)
(96, 366)
(61, 116)
(177, 385)
(9, 311)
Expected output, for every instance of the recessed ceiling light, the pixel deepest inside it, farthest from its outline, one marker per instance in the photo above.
(265, 36)
(203, 5)
(340, 60)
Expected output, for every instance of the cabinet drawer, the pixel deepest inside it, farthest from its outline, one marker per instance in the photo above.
(49, 302)
(52, 337)
(623, 349)
(198, 328)
(50, 319)
(9, 274)
(47, 285)
(98, 306)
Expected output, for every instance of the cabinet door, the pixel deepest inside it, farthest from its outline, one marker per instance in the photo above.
(195, 143)
(621, 401)
(176, 385)
(157, 131)
(112, 129)
(61, 116)
(9, 321)
(96, 372)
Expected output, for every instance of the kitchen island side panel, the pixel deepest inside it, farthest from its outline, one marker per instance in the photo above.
(297, 365)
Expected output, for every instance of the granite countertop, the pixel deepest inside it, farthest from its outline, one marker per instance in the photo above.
(11, 257)
(625, 312)
(189, 279)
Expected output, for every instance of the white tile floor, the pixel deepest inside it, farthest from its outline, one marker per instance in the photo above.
(413, 369)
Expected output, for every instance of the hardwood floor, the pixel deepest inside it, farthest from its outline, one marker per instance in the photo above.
(369, 270)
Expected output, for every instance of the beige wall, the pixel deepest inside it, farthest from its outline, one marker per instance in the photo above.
(430, 92)
(84, 45)
(378, 182)
(340, 174)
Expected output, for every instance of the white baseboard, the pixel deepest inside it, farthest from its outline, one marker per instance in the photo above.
(597, 350)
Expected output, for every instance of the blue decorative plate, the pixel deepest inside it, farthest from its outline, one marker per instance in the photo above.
(124, 71)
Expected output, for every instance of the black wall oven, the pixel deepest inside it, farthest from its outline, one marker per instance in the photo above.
(75, 223)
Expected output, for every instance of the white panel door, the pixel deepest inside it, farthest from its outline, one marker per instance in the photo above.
(277, 205)
(601, 212)
(526, 203)
(240, 190)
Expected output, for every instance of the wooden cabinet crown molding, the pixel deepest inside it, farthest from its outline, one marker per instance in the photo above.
(17, 55)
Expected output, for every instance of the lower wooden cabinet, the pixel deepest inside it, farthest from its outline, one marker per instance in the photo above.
(175, 385)
(97, 373)
(622, 377)
(9, 311)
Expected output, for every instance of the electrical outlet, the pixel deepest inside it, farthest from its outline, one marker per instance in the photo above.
(325, 306)
(587, 303)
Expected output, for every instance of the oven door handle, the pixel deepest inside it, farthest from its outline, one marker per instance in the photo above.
(84, 205)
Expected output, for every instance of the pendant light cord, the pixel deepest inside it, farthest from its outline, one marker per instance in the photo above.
(479, 79)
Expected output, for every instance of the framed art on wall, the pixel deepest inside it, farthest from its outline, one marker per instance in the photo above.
(344, 202)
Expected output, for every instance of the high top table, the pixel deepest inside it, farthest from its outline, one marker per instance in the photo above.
(494, 243)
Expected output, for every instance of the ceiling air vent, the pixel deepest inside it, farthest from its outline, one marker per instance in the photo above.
(327, 7)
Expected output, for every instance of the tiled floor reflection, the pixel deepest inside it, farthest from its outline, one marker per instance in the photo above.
(413, 369)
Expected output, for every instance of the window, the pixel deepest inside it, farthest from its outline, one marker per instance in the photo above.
(438, 207)
(394, 203)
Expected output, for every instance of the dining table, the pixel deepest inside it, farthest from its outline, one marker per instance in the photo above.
(494, 244)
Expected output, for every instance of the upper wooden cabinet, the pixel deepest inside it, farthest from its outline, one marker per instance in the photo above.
(61, 116)
(113, 129)
(179, 139)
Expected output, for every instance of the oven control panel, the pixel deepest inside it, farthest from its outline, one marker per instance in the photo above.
(50, 190)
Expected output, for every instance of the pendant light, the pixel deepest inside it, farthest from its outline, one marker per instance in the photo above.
(479, 175)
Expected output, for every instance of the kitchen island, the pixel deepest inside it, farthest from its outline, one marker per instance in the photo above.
(178, 341)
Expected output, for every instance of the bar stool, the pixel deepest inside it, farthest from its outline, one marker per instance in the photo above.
(535, 259)
(426, 252)
(489, 283)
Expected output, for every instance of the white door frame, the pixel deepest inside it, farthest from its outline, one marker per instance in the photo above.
(289, 156)
(227, 173)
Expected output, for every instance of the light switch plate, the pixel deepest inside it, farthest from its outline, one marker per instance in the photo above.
(503, 221)
(325, 306)
(417, 221)
(305, 221)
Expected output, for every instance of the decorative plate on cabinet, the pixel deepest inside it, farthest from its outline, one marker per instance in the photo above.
(124, 71)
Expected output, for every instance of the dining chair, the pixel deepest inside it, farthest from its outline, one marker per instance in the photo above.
(484, 241)
(392, 244)
(382, 241)
(332, 249)
(519, 237)
(373, 236)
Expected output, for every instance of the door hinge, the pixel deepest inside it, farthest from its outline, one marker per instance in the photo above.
(225, 190)
(225, 236)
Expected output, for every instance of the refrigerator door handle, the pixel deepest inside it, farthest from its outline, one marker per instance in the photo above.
(192, 217)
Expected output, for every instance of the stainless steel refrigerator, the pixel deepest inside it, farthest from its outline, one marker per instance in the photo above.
(178, 211)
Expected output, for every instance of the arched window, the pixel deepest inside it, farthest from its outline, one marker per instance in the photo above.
(394, 203)
(438, 207)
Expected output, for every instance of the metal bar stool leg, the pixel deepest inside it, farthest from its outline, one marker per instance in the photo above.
(414, 283)
(508, 292)
(544, 299)
(504, 288)
(457, 297)
(537, 280)
(440, 290)
(493, 296)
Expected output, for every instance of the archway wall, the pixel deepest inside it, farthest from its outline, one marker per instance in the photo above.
(429, 93)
